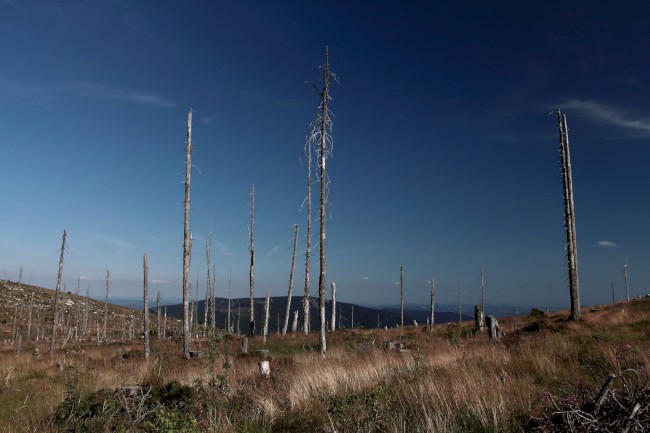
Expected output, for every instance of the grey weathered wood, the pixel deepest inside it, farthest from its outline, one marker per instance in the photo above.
(478, 318)
(493, 328)
(108, 275)
(627, 289)
(287, 311)
(187, 242)
(569, 216)
(294, 325)
(333, 315)
(244, 346)
(264, 368)
(251, 274)
(305, 301)
(401, 296)
(56, 294)
(432, 318)
(324, 150)
(265, 332)
(145, 305)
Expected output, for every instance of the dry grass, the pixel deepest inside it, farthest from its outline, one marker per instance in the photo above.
(447, 380)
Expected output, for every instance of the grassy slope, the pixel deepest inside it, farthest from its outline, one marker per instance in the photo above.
(448, 380)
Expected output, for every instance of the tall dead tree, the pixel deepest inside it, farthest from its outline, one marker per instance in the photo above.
(305, 302)
(482, 292)
(145, 305)
(266, 318)
(158, 331)
(287, 311)
(433, 303)
(569, 216)
(56, 294)
(251, 274)
(208, 282)
(229, 327)
(627, 289)
(460, 305)
(333, 319)
(213, 299)
(322, 135)
(29, 316)
(401, 296)
(187, 242)
(108, 276)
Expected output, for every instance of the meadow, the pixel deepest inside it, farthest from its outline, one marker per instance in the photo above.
(547, 373)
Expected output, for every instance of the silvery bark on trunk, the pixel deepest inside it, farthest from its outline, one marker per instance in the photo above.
(287, 311)
(187, 240)
(569, 216)
(333, 319)
(145, 306)
(266, 318)
(401, 296)
(56, 294)
(251, 274)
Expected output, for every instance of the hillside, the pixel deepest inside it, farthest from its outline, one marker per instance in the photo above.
(547, 374)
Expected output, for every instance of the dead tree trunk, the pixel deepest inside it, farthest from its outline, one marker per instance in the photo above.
(266, 318)
(106, 306)
(287, 311)
(208, 282)
(294, 325)
(56, 294)
(460, 305)
(251, 274)
(187, 240)
(324, 138)
(29, 317)
(158, 333)
(569, 216)
(145, 305)
(478, 319)
(627, 289)
(433, 303)
(401, 296)
(229, 326)
(305, 302)
(333, 319)
(493, 328)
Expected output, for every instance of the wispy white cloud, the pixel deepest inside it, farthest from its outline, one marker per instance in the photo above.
(37, 94)
(159, 282)
(224, 249)
(607, 244)
(155, 239)
(119, 245)
(611, 116)
(82, 278)
(100, 91)
(365, 278)
(273, 250)
(206, 120)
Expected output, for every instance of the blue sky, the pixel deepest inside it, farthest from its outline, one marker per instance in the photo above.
(445, 145)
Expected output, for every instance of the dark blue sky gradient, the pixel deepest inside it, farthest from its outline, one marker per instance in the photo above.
(445, 142)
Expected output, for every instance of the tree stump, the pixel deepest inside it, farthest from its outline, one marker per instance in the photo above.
(479, 320)
(244, 346)
(264, 368)
(493, 328)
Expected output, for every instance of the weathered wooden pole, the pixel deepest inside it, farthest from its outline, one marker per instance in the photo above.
(432, 318)
(251, 274)
(305, 301)
(266, 318)
(294, 325)
(287, 310)
(627, 289)
(325, 126)
(187, 240)
(145, 305)
(569, 216)
(401, 296)
(56, 295)
(333, 319)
